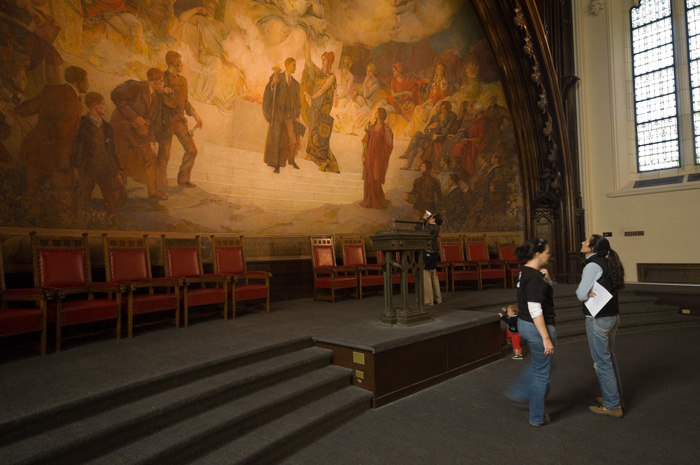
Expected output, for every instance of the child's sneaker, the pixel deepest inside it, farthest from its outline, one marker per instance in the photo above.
(517, 357)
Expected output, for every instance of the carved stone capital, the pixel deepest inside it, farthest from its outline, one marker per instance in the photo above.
(596, 7)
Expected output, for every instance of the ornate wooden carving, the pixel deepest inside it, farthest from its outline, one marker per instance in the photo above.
(519, 34)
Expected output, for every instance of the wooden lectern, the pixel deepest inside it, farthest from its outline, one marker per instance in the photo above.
(410, 246)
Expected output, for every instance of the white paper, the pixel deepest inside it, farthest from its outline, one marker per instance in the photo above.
(602, 296)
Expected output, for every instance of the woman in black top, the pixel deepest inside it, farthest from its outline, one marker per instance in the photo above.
(536, 326)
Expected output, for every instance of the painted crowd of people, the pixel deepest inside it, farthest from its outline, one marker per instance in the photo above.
(66, 145)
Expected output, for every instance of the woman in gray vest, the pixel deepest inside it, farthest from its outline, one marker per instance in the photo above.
(603, 267)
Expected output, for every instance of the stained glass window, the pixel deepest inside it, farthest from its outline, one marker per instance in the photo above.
(656, 111)
(692, 15)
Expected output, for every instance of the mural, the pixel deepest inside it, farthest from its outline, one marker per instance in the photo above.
(252, 116)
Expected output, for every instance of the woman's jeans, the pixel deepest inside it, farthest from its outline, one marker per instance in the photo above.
(601, 340)
(532, 385)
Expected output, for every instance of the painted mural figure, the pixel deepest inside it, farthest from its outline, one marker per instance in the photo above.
(281, 108)
(32, 31)
(354, 116)
(5, 132)
(404, 93)
(47, 149)
(175, 123)
(470, 89)
(117, 16)
(426, 193)
(434, 133)
(12, 93)
(96, 159)
(319, 89)
(454, 205)
(136, 121)
(342, 102)
(438, 91)
(158, 17)
(201, 35)
(366, 98)
(475, 142)
(463, 125)
(378, 144)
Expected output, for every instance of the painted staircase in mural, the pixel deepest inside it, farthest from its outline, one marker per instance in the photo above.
(241, 177)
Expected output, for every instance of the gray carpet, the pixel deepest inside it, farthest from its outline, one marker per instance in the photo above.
(464, 420)
(467, 420)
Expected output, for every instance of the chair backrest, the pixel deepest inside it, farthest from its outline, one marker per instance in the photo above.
(126, 258)
(451, 249)
(380, 257)
(60, 261)
(476, 251)
(353, 251)
(183, 256)
(322, 252)
(507, 252)
(227, 254)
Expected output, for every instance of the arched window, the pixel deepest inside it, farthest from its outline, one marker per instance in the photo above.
(659, 61)
(692, 15)
(655, 108)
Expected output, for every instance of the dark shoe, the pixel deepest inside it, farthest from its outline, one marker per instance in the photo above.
(601, 410)
(294, 165)
(277, 170)
(517, 357)
(188, 184)
(599, 399)
(546, 421)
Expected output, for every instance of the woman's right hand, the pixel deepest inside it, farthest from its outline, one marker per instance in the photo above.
(548, 347)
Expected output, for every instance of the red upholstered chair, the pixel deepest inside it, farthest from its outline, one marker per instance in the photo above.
(452, 257)
(506, 252)
(22, 310)
(183, 260)
(128, 261)
(62, 264)
(227, 254)
(326, 274)
(488, 269)
(370, 275)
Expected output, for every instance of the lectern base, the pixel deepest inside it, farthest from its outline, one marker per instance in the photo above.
(410, 317)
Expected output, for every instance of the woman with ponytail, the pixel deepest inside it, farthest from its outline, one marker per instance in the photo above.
(536, 326)
(603, 266)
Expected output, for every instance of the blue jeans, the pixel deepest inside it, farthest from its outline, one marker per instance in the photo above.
(601, 340)
(532, 385)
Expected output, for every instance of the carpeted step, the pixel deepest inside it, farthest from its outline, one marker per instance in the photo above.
(181, 443)
(280, 438)
(16, 429)
(73, 442)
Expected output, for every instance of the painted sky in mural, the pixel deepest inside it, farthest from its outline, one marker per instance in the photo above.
(252, 116)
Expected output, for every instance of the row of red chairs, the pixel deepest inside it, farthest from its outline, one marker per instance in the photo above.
(65, 295)
(463, 259)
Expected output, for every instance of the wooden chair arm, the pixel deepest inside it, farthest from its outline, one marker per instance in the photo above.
(26, 294)
(345, 269)
(207, 278)
(159, 282)
(106, 287)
